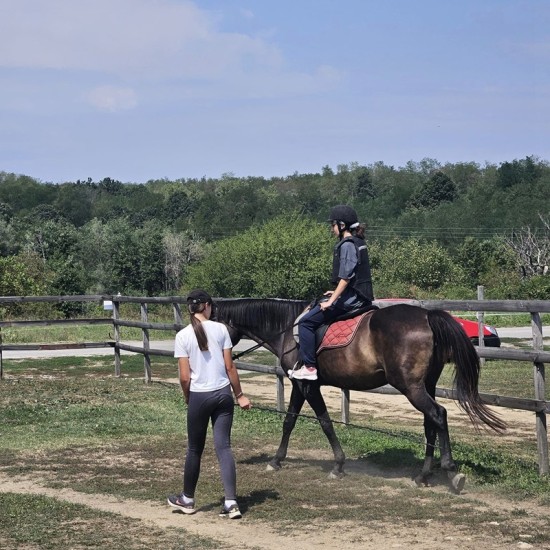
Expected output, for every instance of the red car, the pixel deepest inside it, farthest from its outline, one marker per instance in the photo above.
(491, 338)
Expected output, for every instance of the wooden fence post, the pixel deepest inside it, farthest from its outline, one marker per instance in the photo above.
(538, 374)
(345, 406)
(116, 317)
(480, 322)
(146, 343)
(178, 318)
(280, 389)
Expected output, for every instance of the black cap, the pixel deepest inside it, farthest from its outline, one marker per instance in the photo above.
(199, 297)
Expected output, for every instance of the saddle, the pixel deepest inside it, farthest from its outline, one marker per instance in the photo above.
(340, 331)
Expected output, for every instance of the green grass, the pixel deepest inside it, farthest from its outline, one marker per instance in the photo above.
(76, 333)
(58, 524)
(508, 378)
(72, 424)
(86, 406)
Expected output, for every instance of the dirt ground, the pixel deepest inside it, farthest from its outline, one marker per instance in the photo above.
(250, 534)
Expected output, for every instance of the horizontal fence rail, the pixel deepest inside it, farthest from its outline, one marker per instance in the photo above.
(535, 355)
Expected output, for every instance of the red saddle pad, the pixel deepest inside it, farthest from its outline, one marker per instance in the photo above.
(341, 333)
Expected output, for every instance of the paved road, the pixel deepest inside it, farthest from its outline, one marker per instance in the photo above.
(521, 332)
(509, 332)
(88, 352)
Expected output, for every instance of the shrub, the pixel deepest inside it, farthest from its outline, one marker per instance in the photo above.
(288, 257)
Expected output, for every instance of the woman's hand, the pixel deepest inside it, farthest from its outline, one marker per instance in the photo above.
(244, 402)
(325, 304)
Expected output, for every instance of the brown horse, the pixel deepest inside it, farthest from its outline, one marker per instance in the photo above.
(402, 345)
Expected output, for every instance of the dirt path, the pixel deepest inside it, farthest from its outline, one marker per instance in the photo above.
(250, 534)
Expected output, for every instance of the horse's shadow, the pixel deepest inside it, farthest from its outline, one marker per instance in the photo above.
(398, 464)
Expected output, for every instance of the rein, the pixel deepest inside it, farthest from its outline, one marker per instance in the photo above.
(235, 356)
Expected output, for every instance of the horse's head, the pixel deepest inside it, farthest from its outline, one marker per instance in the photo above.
(262, 320)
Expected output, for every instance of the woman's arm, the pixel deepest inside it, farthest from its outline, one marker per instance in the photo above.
(340, 287)
(185, 376)
(233, 376)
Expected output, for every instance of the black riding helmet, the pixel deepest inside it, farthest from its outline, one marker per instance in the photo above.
(343, 213)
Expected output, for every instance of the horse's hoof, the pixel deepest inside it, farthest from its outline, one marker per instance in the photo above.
(272, 468)
(457, 481)
(421, 480)
(336, 475)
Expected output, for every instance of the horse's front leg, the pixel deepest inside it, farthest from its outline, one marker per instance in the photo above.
(295, 406)
(317, 403)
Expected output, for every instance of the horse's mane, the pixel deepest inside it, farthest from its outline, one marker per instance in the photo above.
(273, 314)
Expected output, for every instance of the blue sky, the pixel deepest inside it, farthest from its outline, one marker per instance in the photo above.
(144, 89)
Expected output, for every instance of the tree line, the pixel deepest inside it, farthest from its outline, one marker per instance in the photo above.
(433, 230)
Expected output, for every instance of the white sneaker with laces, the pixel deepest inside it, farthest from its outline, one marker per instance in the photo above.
(303, 373)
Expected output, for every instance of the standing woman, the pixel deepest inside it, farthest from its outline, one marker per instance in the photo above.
(351, 277)
(207, 374)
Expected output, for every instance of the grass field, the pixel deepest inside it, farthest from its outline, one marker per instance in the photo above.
(71, 424)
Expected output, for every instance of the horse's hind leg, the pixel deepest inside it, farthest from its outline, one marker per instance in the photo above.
(317, 403)
(295, 406)
(435, 422)
(430, 432)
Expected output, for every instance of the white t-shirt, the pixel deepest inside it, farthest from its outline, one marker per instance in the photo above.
(207, 367)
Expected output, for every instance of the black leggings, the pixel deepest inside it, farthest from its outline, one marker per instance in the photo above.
(203, 406)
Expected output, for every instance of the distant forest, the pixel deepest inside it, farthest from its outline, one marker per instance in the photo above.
(433, 230)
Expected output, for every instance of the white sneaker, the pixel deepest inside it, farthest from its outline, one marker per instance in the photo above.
(303, 373)
(232, 512)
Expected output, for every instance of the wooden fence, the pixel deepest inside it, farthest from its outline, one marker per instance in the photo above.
(535, 355)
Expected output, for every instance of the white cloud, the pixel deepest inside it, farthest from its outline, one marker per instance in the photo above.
(146, 40)
(112, 99)
(122, 37)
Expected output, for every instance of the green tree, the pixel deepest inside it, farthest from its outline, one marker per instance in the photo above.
(179, 251)
(437, 189)
(108, 253)
(75, 203)
(524, 171)
(8, 239)
(23, 275)
(364, 186)
(22, 193)
(149, 259)
(477, 257)
(288, 257)
(52, 240)
(411, 265)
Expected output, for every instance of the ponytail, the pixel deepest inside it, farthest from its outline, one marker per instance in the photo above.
(359, 231)
(202, 339)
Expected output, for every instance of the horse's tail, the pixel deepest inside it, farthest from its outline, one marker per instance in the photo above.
(452, 344)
